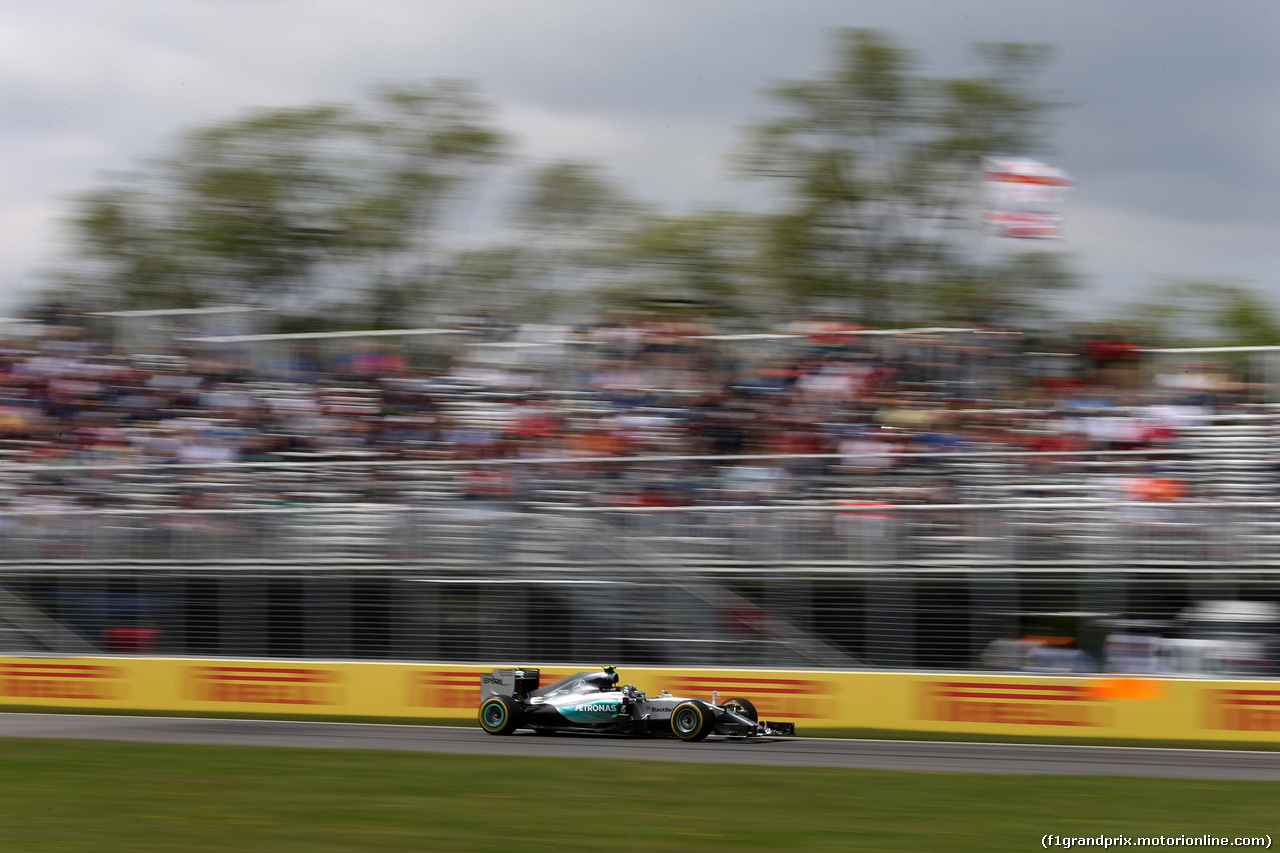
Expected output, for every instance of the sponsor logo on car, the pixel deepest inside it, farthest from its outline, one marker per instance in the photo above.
(588, 712)
(773, 698)
(1243, 710)
(264, 685)
(1013, 704)
(61, 681)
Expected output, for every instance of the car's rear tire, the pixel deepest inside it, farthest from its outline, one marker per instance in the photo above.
(743, 707)
(500, 715)
(692, 721)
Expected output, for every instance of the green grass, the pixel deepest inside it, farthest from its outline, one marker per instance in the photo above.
(90, 796)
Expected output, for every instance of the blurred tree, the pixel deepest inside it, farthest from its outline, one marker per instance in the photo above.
(292, 208)
(704, 259)
(337, 215)
(571, 217)
(1012, 291)
(1205, 313)
(879, 168)
(570, 196)
(498, 280)
(127, 259)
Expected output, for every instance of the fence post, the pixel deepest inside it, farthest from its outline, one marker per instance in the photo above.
(243, 613)
(994, 599)
(327, 616)
(890, 616)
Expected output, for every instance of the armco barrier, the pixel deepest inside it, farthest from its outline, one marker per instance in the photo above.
(1163, 709)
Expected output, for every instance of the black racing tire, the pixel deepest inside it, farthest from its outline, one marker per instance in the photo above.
(743, 707)
(500, 715)
(692, 721)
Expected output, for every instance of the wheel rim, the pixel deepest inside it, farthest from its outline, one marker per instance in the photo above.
(687, 720)
(494, 715)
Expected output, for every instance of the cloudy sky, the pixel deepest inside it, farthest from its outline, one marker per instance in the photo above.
(1173, 139)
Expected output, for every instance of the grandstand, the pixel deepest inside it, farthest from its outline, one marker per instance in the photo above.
(644, 497)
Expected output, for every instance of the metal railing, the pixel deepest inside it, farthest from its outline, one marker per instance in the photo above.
(796, 586)
(511, 536)
(400, 561)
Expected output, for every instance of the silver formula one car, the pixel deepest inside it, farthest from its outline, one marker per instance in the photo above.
(511, 699)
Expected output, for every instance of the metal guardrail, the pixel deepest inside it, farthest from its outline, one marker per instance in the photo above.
(431, 575)
(502, 535)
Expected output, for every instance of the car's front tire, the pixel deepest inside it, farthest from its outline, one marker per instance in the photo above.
(743, 707)
(500, 715)
(692, 721)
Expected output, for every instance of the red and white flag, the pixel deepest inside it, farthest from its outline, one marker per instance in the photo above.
(1023, 198)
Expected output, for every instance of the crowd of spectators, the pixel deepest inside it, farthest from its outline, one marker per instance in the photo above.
(836, 406)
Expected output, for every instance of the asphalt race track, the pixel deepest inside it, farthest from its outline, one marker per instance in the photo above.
(930, 756)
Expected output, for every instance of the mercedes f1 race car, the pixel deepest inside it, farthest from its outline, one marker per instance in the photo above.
(511, 699)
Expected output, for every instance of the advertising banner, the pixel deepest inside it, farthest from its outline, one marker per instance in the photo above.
(1130, 708)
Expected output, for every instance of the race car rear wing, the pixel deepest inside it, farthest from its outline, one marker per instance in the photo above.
(516, 683)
